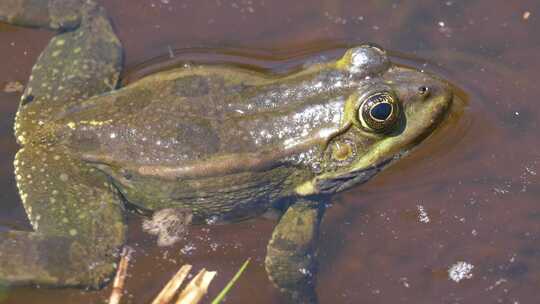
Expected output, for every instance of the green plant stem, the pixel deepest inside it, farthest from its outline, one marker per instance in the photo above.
(231, 283)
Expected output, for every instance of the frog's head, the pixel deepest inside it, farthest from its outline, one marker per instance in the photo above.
(391, 110)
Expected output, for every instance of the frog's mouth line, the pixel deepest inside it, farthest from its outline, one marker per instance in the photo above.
(353, 178)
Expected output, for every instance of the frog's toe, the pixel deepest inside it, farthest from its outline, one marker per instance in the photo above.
(291, 255)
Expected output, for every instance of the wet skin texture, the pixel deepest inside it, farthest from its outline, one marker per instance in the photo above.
(222, 142)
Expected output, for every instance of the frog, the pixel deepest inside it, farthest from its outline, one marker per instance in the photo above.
(218, 143)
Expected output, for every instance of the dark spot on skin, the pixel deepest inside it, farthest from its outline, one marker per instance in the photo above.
(192, 86)
(27, 99)
(300, 222)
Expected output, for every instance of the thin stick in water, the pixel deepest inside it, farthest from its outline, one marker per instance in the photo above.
(120, 278)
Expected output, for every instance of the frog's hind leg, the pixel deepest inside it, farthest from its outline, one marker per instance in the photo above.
(52, 14)
(78, 222)
(291, 259)
(77, 64)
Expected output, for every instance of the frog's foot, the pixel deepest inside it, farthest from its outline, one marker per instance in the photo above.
(291, 258)
(170, 225)
(77, 219)
(51, 14)
(77, 64)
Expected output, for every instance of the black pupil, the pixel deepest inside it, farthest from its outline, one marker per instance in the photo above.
(381, 111)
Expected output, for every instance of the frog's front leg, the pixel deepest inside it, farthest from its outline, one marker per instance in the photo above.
(77, 219)
(291, 259)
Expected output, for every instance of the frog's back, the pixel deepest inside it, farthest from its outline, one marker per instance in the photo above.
(202, 120)
(212, 139)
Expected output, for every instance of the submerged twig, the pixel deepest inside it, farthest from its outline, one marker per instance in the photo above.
(197, 288)
(168, 292)
(120, 278)
(194, 291)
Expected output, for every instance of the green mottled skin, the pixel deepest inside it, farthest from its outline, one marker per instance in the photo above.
(223, 142)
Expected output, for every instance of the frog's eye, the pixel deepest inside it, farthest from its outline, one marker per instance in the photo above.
(378, 112)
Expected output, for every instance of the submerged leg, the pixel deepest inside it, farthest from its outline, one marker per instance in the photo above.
(77, 219)
(52, 14)
(77, 64)
(291, 259)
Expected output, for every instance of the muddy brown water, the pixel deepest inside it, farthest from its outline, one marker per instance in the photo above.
(470, 194)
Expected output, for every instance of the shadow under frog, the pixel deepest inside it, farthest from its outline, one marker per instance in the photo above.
(223, 142)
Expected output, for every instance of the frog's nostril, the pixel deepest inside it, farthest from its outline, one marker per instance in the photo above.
(423, 91)
(27, 99)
